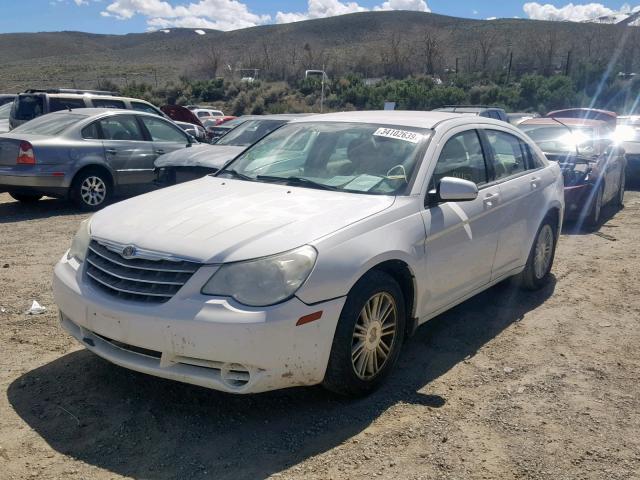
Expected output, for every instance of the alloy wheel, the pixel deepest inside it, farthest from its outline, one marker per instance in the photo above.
(544, 251)
(93, 191)
(374, 335)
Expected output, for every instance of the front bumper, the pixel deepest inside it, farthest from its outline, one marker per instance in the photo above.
(633, 168)
(577, 200)
(211, 342)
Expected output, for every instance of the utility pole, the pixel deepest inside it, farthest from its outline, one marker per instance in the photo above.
(568, 64)
(457, 61)
(509, 69)
(322, 90)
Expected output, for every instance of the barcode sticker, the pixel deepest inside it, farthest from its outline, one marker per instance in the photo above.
(405, 135)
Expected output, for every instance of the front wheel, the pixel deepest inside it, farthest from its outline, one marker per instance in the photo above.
(91, 190)
(368, 337)
(26, 197)
(595, 209)
(620, 196)
(538, 268)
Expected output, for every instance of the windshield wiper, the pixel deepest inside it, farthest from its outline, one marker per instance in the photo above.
(302, 181)
(236, 174)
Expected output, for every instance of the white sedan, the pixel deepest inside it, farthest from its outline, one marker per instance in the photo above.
(313, 255)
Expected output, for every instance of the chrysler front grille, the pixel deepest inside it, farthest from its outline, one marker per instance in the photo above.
(152, 281)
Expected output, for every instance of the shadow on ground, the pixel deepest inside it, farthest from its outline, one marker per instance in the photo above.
(142, 427)
(14, 211)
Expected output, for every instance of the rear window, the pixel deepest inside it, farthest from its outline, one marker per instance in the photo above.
(107, 103)
(51, 124)
(250, 132)
(144, 107)
(60, 103)
(28, 107)
(4, 111)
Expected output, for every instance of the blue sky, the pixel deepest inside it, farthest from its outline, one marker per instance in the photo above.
(124, 16)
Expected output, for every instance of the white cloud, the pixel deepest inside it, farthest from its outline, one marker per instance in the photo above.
(330, 8)
(233, 14)
(417, 5)
(570, 12)
(216, 14)
(81, 2)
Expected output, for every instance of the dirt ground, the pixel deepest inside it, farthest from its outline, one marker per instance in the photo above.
(507, 385)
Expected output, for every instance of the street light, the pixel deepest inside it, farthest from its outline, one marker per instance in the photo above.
(324, 76)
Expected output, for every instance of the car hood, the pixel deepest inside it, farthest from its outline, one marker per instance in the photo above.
(202, 155)
(181, 114)
(214, 219)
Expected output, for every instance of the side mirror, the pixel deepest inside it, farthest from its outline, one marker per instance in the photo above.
(451, 189)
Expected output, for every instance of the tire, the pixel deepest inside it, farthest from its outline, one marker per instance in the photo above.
(92, 190)
(592, 222)
(537, 271)
(619, 201)
(367, 344)
(26, 197)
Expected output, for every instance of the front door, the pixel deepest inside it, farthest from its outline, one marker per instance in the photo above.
(462, 237)
(127, 151)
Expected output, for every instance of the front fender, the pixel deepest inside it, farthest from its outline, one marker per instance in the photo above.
(344, 257)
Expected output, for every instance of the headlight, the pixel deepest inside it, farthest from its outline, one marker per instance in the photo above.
(80, 243)
(265, 281)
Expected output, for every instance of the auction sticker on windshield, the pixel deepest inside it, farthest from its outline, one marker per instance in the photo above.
(405, 135)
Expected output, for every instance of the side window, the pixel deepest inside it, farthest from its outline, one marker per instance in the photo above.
(144, 107)
(509, 157)
(461, 157)
(203, 114)
(162, 131)
(121, 127)
(107, 103)
(60, 103)
(534, 160)
(91, 132)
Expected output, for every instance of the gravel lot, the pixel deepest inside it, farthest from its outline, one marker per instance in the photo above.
(507, 385)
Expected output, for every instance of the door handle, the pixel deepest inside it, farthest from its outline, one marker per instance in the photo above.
(159, 151)
(490, 198)
(534, 182)
(111, 151)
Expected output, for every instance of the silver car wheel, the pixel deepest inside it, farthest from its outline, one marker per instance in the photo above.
(93, 191)
(374, 335)
(543, 252)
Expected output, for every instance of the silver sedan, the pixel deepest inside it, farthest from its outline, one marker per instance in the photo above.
(87, 155)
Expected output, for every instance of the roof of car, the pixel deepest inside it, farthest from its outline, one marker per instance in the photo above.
(417, 119)
(90, 112)
(275, 116)
(573, 122)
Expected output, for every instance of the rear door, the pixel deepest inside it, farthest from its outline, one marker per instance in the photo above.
(461, 237)
(522, 181)
(128, 151)
(166, 136)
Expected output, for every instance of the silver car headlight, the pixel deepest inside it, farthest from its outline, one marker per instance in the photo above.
(80, 244)
(264, 281)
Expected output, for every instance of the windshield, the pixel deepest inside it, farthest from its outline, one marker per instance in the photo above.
(5, 110)
(628, 130)
(52, 124)
(250, 132)
(354, 157)
(561, 139)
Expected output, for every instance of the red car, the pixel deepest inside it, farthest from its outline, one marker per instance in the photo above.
(593, 165)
